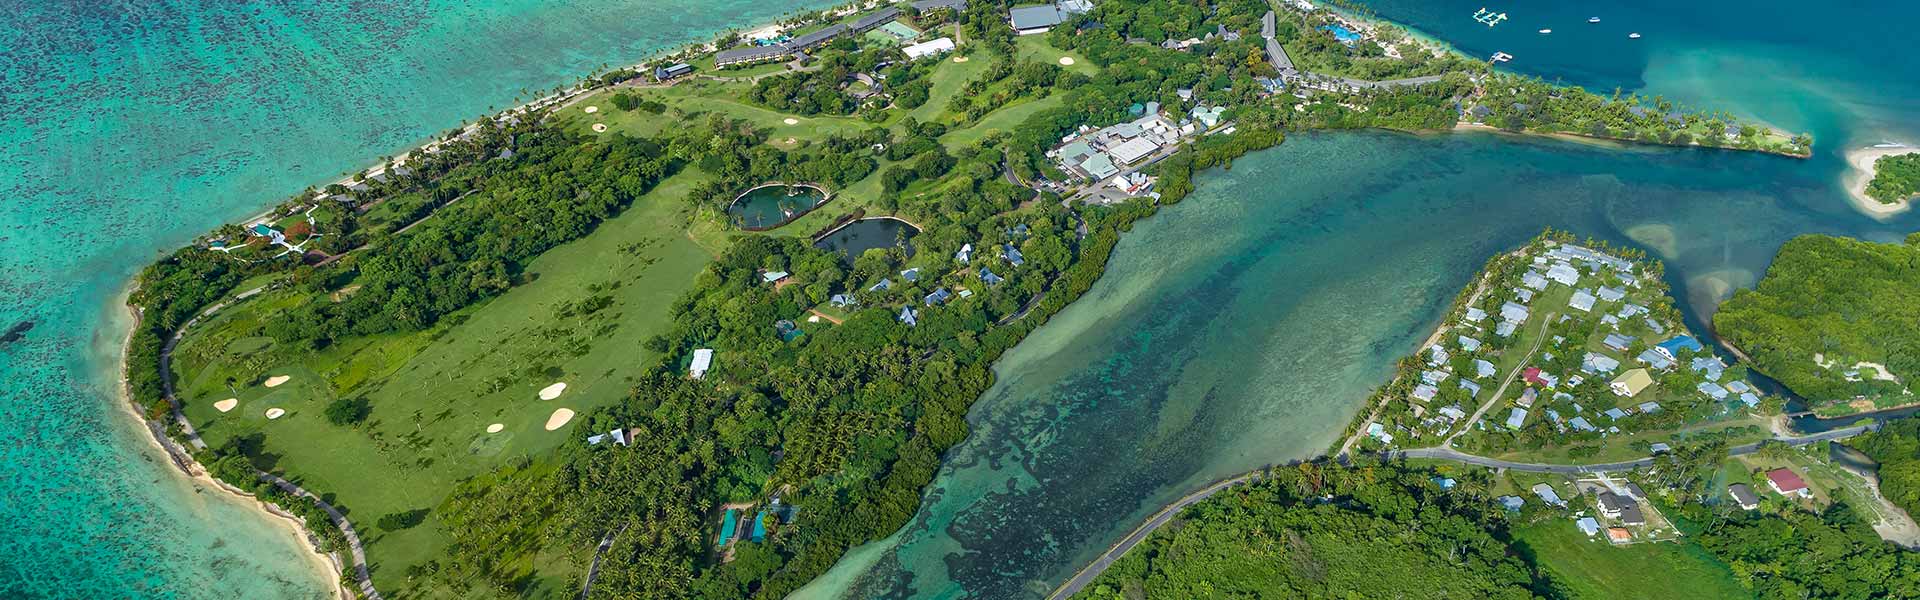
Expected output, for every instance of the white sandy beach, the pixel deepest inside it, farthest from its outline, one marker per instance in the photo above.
(326, 567)
(1861, 161)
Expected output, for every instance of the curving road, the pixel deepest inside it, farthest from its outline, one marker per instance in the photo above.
(1092, 571)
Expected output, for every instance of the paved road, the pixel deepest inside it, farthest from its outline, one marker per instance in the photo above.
(1099, 565)
(1093, 571)
(356, 551)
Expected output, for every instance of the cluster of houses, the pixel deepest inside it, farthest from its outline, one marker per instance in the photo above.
(1618, 508)
(1010, 259)
(1783, 481)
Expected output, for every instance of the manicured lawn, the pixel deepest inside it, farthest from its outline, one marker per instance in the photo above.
(947, 81)
(700, 96)
(1036, 48)
(1004, 119)
(1593, 568)
(434, 393)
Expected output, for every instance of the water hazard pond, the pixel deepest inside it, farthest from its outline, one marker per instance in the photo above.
(771, 205)
(853, 239)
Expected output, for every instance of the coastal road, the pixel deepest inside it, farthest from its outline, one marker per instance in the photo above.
(1092, 571)
(1099, 565)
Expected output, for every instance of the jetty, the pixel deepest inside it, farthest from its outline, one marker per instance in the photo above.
(1489, 17)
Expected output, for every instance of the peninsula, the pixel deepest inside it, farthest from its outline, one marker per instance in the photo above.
(553, 342)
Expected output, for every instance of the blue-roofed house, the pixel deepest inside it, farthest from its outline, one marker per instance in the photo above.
(1469, 344)
(938, 297)
(1513, 312)
(1750, 399)
(1547, 495)
(1712, 390)
(1674, 345)
(1615, 413)
(1516, 418)
(1512, 503)
(1472, 389)
(907, 316)
(910, 275)
(1581, 424)
(1649, 407)
(1587, 525)
(1599, 363)
(842, 300)
(884, 285)
(1581, 301)
(1013, 256)
(964, 255)
(1445, 483)
(1483, 368)
(1612, 294)
(773, 276)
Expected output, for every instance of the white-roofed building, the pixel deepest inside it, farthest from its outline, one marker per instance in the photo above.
(1516, 418)
(1513, 312)
(1612, 294)
(1133, 150)
(1581, 301)
(1534, 279)
(702, 361)
(1564, 274)
(1475, 314)
(929, 48)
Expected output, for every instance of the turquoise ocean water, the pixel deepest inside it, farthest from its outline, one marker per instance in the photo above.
(128, 128)
(1244, 326)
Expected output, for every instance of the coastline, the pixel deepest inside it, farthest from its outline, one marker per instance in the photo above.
(1860, 171)
(327, 564)
(1617, 143)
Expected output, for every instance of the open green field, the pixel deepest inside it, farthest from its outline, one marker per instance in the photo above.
(1036, 48)
(1593, 568)
(434, 393)
(699, 95)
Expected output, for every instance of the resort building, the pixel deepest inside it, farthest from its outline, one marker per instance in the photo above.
(750, 55)
(1029, 20)
(925, 49)
(1788, 483)
(671, 71)
(927, 6)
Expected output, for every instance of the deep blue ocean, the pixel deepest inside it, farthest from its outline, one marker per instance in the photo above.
(127, 128)
(1244, 326)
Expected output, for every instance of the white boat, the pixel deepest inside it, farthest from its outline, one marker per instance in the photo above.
(1593, 19)
(1546, 31)
(1502, 57)
(1633, 36)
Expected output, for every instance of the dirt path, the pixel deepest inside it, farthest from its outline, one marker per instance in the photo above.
(1495, 399)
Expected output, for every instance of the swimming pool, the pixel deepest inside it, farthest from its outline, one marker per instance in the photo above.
(1340, 32)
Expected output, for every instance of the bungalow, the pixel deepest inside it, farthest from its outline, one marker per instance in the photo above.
(1453, 413)
(1445, 483)
(1631, 310)
(1630, 383)
(1564, 273)
(1379, 432)
(907, 316)
(1597, 363)
(1516, 418)
(910, 275)
(1581, 301)
(1581, 424)
(1710, 365)
(773, 276)
(1511, 503)
(1436, 355)
(1587, 525)
(884, 285)
(1483, 368)
(1433, 376)
(1525, 295)
(1744, 496)
(1476, 315)
(1505, 328)
(964, 255)
(1472, 389)
(702, 361)
(1537, 377)
(842, 300)
(1425, 393)
(1534, 280)
(938, 297)
(1659, 447)
(1013, 256)
(1712, 390)
(1612, 294)
(1654, 359)
(1787, 483)
(1619, 343)
(1751, 400)
(1615, 413)
(1546, 494)
(1674, 345)
(1527, 398)
(1513, 312)
(1469, 344)
(989, 278)
(1648, 407)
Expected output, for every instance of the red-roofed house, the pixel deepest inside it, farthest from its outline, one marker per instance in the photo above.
(1788, 483)
(1532, 375)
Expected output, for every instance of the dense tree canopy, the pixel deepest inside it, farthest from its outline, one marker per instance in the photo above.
(1895, 178)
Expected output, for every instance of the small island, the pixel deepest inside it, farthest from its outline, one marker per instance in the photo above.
(1886, 177)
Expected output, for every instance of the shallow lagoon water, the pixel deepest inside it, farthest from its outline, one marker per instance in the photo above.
(130, 128)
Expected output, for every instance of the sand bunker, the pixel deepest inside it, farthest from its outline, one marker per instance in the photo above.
(276, 380)
(959, 59)
(590, 109)
(495, 428)
(1066, 61)
(599, 127)
(559, 418)
(813, 319)
(226, 405)
(275, 413)
(791, 121)
(552, 391)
